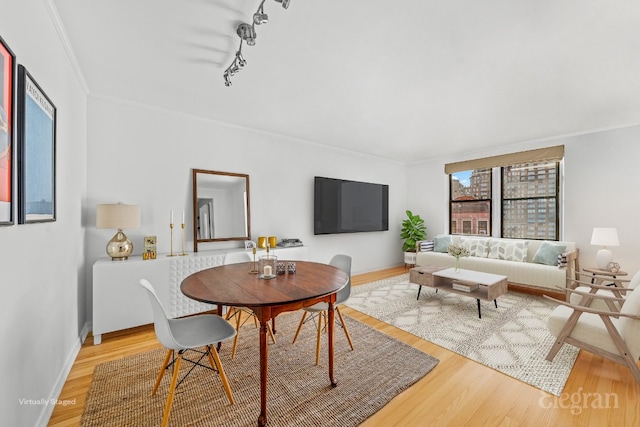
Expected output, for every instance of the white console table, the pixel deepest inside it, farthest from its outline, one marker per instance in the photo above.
(119, 303)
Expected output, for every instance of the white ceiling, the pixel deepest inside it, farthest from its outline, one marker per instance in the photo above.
(407, 80)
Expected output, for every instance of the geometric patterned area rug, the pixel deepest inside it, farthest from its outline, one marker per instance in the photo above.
(512, 338)
(299, 392)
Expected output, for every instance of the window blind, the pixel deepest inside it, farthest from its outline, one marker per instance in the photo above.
(555, 153)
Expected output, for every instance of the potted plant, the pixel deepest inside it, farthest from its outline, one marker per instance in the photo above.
(413, 230)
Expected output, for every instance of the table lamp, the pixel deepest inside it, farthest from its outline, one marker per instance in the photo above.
(604, 237)
(118, 216)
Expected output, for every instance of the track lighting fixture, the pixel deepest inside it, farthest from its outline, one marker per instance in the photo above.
(247, 34)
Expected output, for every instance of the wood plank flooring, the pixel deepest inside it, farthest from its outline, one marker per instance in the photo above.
(457, 392)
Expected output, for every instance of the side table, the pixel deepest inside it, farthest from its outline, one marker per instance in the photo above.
(597, 276)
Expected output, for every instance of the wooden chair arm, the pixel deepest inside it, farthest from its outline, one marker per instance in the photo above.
(596, 296)
(593, 285)
(592, 311)
(603, 277)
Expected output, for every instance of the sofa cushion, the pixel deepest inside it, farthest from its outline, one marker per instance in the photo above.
(476, 247)
(441, 243)
(548, 253)
(509, 250)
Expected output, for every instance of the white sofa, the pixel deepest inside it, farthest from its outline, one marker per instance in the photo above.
(530, 264)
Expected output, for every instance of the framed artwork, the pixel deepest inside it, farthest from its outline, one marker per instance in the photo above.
(36, 152)
(7, 72)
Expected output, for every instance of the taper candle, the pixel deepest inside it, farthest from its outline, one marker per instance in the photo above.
(171, 218)
(183, 216)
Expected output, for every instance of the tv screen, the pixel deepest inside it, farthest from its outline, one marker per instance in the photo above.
(342, 206)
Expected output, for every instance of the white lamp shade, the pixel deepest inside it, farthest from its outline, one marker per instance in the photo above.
(118, 216)
(605, 237)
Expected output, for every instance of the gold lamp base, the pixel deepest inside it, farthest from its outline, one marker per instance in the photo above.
(119, 247)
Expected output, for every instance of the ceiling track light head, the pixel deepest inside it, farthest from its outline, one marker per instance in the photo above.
(247, 33)
(260, 17)
(227, 79)
(285, 3)
(240, 59)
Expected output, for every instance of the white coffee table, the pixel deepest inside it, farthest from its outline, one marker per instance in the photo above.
(474, 284)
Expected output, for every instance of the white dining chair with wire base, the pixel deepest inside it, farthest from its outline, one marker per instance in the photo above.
(189, 333)
(319, 312)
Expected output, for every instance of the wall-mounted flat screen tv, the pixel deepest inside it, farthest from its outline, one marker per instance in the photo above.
(342, 206)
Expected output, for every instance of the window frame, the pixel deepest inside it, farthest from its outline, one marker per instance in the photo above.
(557, 198)
(460, 230)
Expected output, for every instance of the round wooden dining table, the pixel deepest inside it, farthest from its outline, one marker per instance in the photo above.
(233, 285)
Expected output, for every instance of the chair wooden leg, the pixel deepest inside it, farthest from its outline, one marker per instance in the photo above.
(622, 348)
(344, 326)
(235, 339)
(172, 388)
(295, 337)
(564, 333)
(216, 363)
(162, 369)
(230, 312)
(318, 339)
(273, 338)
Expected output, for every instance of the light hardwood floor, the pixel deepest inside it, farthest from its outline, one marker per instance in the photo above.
(458, 392)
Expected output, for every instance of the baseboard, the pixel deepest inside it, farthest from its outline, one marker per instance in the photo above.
(537, 291)
(47, 410)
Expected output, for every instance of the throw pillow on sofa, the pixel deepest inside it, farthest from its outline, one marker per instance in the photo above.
(441, 243)
(509, 250)
(476, 247)
(548, 253)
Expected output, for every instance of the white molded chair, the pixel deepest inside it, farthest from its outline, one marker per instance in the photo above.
(610, 334)
(188, 333)
(237, 312)
(319, 311)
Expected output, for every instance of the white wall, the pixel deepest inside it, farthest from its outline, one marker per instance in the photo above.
(144, 155)
(42, 265)
(600, 190)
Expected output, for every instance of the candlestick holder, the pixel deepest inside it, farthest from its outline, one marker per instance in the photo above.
(254, 268)
(171, 240)
(183, 252)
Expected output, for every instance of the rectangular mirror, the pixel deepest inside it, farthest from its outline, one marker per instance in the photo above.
(220, 207)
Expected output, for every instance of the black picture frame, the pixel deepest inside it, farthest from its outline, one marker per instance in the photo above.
(36, 152)
(7, 102)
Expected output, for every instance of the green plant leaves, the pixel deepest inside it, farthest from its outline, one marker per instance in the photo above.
(413, 230)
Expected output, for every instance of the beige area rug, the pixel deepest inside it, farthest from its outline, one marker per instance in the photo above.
(299, 393)
(512, 338)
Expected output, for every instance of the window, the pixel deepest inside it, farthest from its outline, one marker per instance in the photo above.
(470, 202)
(530, 200)
(528, 203)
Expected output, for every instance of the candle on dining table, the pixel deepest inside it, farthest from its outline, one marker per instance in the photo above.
(171, 218)
(183, 216)
(267, 270)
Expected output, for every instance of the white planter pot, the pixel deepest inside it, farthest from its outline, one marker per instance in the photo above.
(410, 258)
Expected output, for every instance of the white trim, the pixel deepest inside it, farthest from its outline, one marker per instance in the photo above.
(66, 44)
